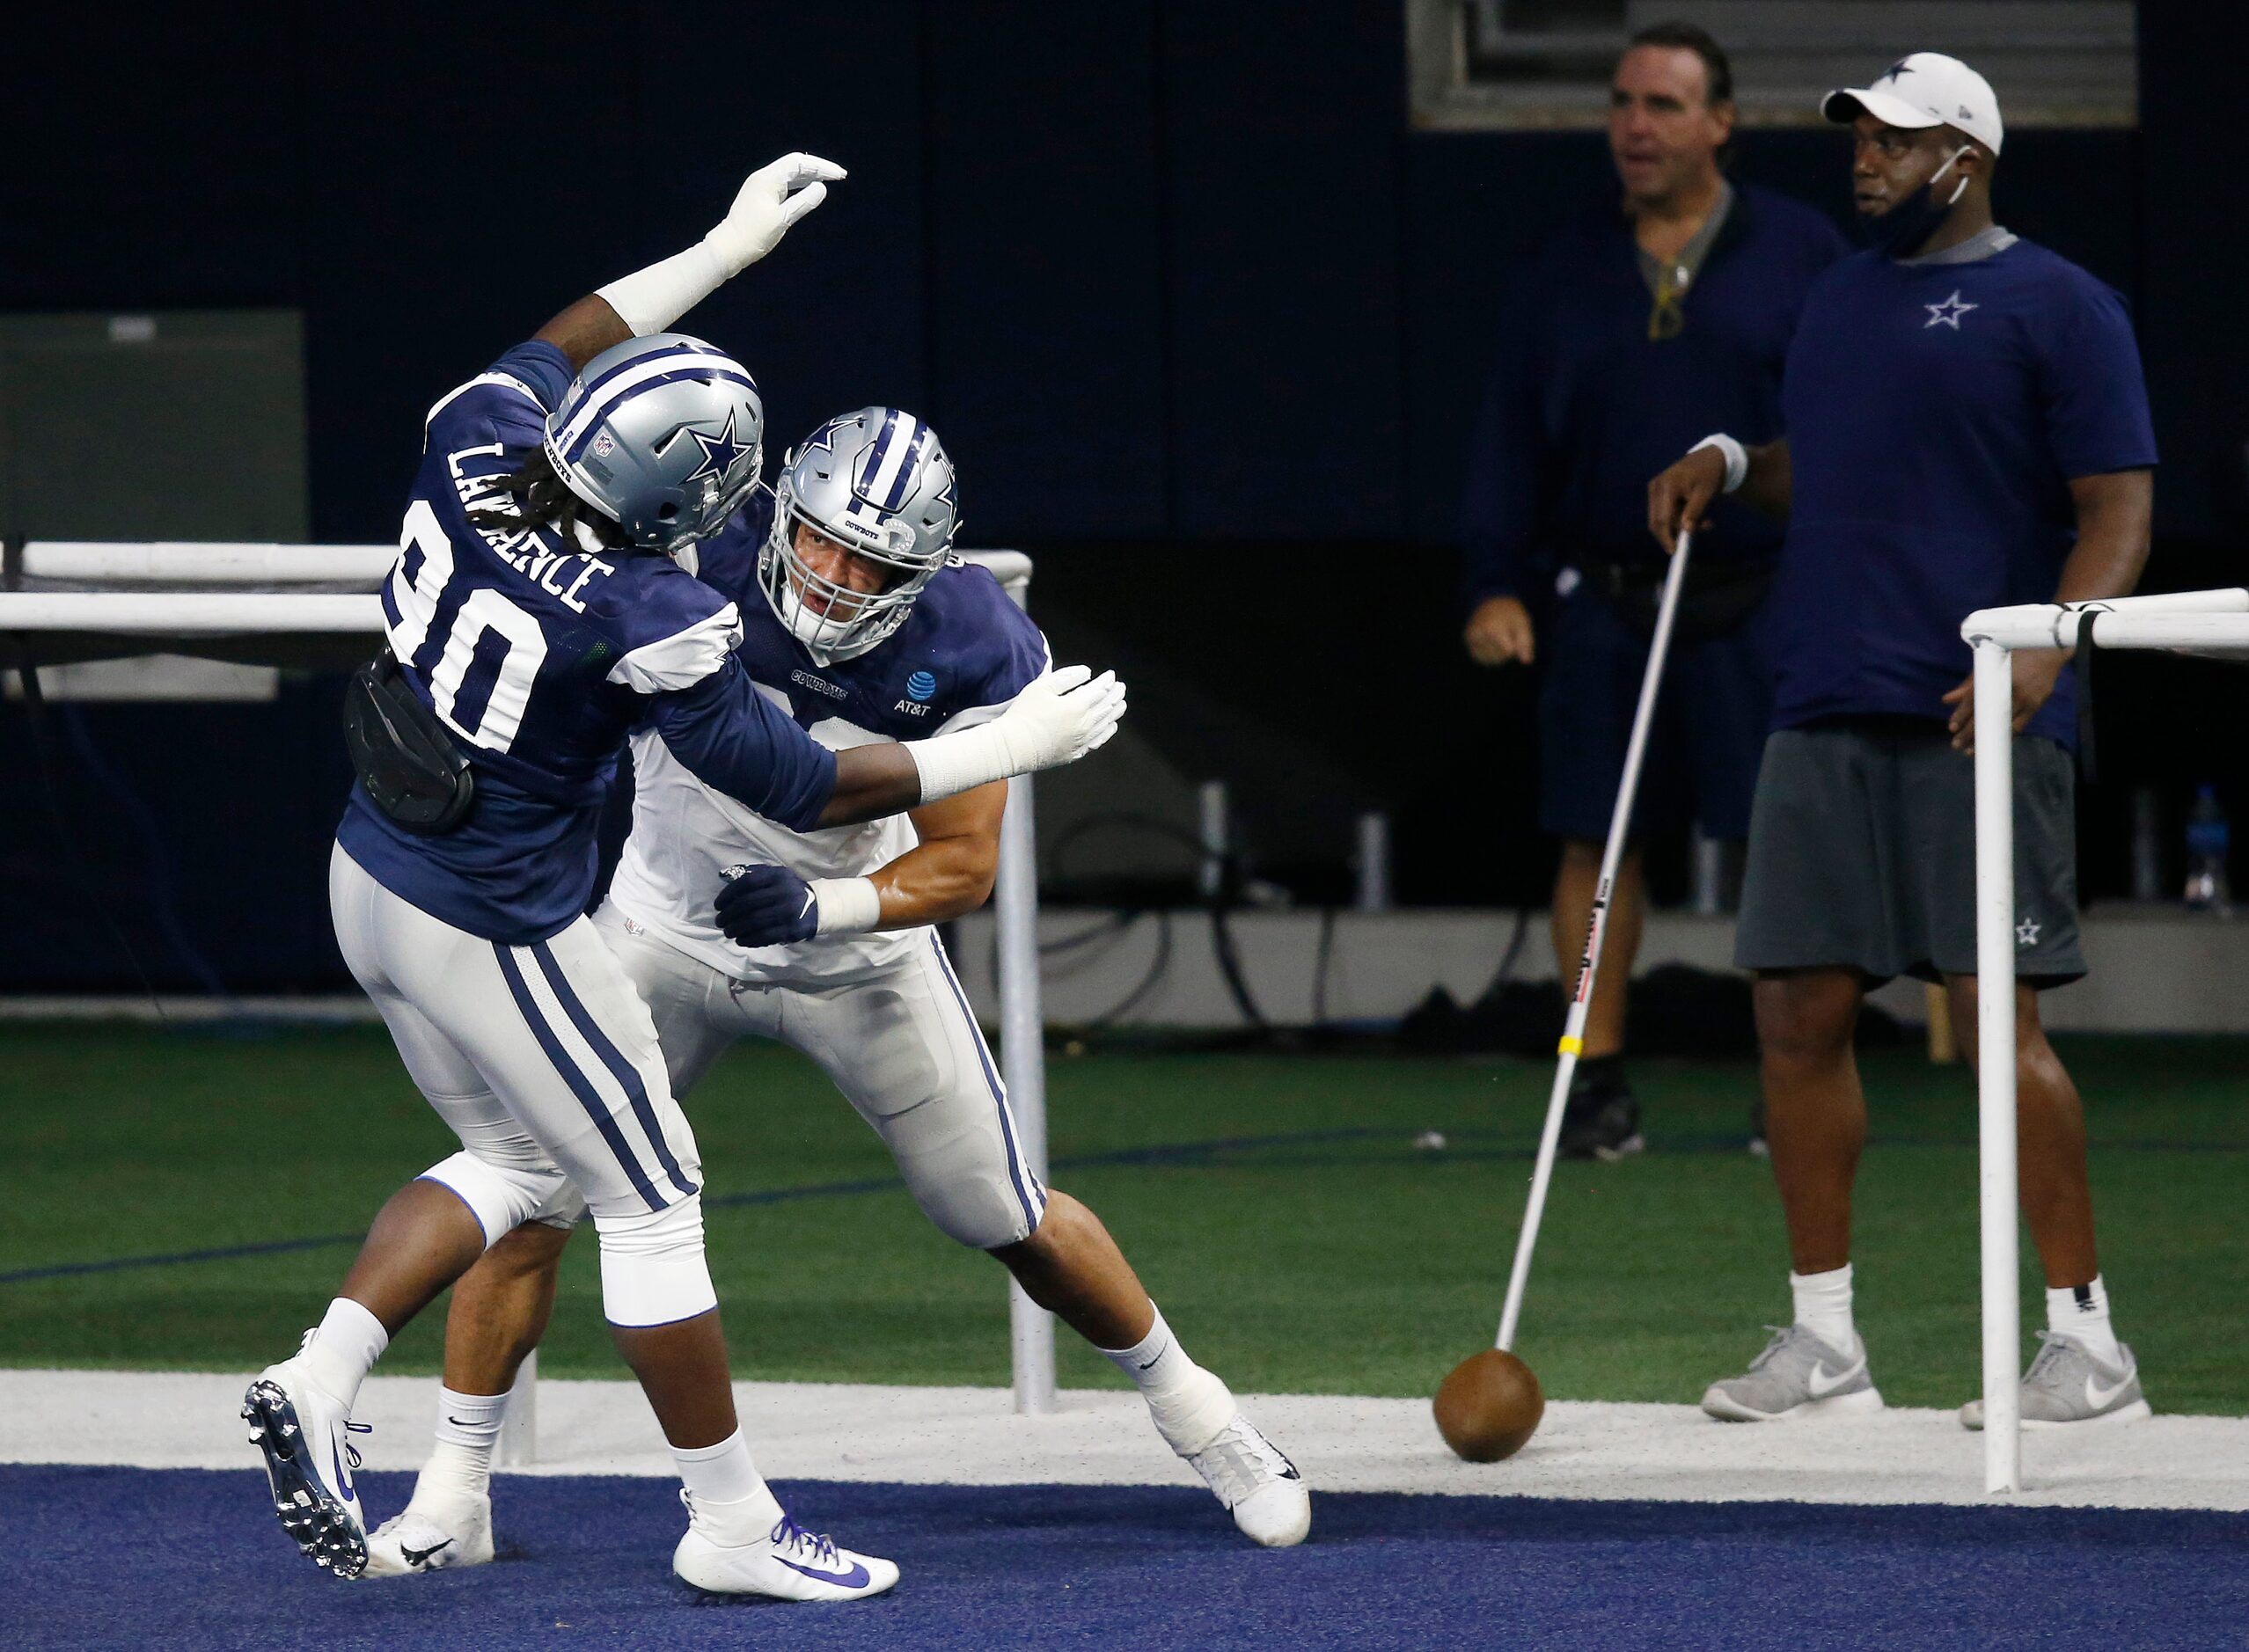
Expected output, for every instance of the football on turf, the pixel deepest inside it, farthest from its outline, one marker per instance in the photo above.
(1490, 1406)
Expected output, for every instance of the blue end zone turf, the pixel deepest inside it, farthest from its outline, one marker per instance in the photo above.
(188, 1559)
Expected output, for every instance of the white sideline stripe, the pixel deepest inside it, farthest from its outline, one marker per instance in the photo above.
(1102, 1437)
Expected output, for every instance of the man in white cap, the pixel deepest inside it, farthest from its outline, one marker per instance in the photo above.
(1966, 426)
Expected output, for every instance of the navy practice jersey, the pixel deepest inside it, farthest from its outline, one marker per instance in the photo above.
(964, 647)
(1936, 413)
(539, 659)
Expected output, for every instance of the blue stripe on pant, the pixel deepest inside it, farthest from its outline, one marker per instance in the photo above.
(627, 1076)
(1032, 1197)
(581, 1086)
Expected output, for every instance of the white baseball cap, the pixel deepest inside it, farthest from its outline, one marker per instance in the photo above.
(1927, 89)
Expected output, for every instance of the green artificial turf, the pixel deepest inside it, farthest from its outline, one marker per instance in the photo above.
(1340, 1260)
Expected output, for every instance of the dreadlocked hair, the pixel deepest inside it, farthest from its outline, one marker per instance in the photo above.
(538, 498)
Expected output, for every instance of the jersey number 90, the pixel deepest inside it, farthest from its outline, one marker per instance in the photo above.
(481, 678)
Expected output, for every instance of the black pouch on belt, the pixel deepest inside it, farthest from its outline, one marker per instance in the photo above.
(406, 761)
(1719, 598)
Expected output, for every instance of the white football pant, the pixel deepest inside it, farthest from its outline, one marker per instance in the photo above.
(903, 1048)
(543, 1060)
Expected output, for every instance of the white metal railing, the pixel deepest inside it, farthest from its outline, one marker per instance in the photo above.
(188, 612)
(2201, 622)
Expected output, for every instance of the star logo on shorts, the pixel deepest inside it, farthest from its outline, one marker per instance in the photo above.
(2027, 932)
(1948, 314)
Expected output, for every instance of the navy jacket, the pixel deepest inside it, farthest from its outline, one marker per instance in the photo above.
(1584, 408)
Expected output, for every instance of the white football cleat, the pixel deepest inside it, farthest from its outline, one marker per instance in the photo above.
(1257, 1484)
(431, 1538)
(788, 1563)
(306, 1434)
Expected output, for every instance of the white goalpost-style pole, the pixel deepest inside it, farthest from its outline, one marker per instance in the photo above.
(1995, 969)
(1574, 1029)
(2212, 621)
(1022, 1049)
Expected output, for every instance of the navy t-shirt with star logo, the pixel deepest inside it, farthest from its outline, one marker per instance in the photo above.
(1936, 413)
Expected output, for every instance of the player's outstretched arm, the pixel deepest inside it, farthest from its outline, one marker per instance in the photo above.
(770, 200)
(1058, 719)
(947, 876)
(731, 737)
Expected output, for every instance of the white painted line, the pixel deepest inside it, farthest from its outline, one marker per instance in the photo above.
(972, 1436)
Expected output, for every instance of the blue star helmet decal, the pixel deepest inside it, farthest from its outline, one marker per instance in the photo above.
(719, 451)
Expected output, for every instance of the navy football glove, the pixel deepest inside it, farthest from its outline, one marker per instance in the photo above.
(767, 906)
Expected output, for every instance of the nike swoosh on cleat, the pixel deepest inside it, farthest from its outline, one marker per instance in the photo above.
(343, 1477)
(855, 1578)
(1822, 1385)
(2100, 1399)
(421, 1557)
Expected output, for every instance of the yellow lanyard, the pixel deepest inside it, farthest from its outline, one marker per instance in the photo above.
(1668, 318)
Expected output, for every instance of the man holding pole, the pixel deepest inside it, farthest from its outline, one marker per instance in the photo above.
(1967, 428)
(1619, 341)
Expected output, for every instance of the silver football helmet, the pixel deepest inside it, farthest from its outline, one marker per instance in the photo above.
(664, 436)
(877, 482)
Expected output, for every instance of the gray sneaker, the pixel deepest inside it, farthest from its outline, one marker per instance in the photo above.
(1798, 1375)
(2065, 1383)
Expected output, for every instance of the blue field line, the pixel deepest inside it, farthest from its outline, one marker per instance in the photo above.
(1161, 1154)
(1173, 1152)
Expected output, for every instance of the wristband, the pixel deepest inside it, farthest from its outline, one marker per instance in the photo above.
(1736, 457)
(650, 300)
(847, 906)
(962, 761)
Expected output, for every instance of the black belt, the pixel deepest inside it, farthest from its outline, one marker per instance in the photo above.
(1716, 598)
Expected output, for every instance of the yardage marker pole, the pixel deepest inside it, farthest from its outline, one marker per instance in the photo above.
(1022, 1053)
(1995, 1077)
(1573, 1032)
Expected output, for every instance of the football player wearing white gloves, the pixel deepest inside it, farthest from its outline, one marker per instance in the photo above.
(859, 621)
(542, 609)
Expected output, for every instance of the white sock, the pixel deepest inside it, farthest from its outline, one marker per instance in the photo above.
(460, 1464)
(1823, 1307)
(731, 1497)
(344, 1348)
(1188, 1404)
(2081, 1312)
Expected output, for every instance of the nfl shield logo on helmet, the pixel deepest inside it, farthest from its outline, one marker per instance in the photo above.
(604, 444)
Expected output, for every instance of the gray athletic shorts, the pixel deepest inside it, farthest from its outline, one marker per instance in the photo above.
(1862, 855)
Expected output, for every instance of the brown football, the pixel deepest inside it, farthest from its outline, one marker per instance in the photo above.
(1488, 1407)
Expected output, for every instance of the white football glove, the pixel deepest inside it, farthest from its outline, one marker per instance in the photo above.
(1058, 719)
(766, 207)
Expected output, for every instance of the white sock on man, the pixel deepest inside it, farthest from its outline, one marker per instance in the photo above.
(731, 1497)
(460, 1464)
(2081, 1311)
(344, 1348)
(1188, 1404)
(1823, 1307)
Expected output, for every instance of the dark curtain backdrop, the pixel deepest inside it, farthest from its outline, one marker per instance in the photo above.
(1198, 316)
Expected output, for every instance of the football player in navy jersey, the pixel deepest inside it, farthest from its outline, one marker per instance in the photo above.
(537, 614)
(861, 624)
(1967, 428)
